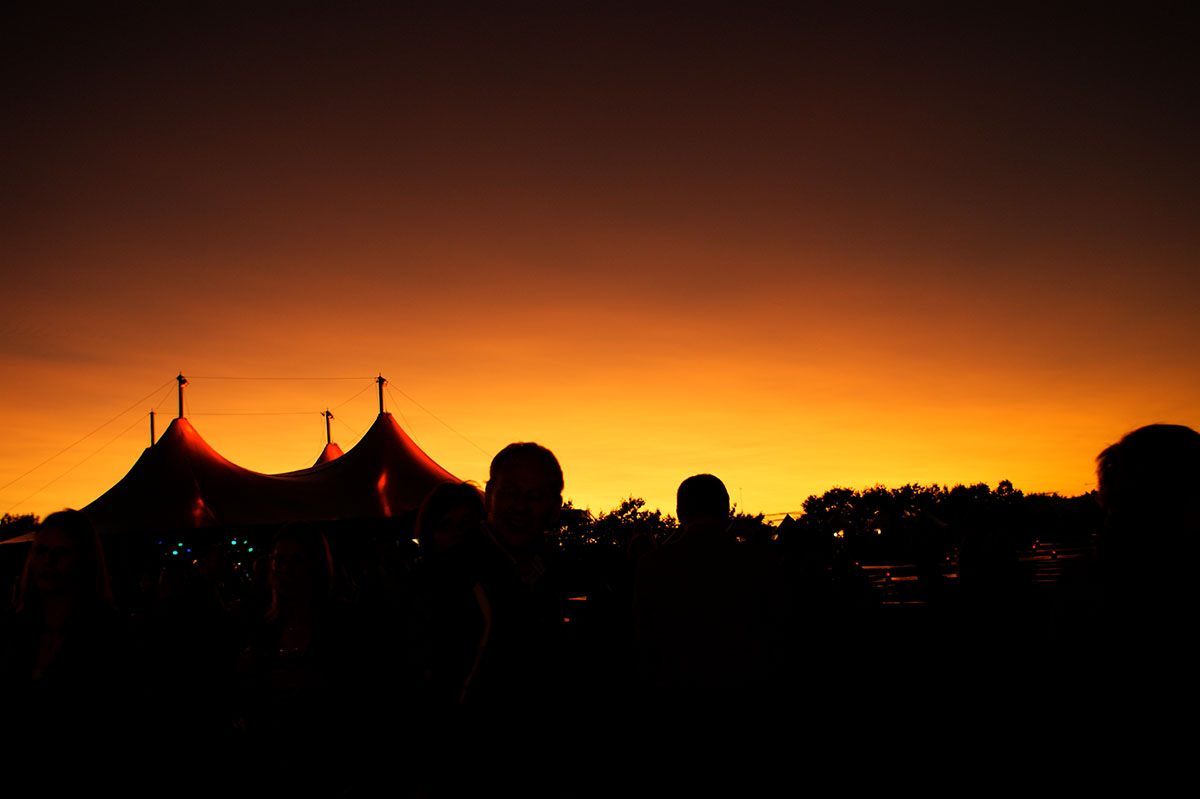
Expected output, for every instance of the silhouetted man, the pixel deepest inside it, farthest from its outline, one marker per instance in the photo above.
(1140, 676)
(709, 611)
(702, 507)
(1148, 488)
(523, 498)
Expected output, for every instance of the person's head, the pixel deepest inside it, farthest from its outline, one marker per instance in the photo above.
(65, 560)
(300, 566)
(702, 501)
(1148, 485)
(1148, 480)
(449, 516)
(523, 494)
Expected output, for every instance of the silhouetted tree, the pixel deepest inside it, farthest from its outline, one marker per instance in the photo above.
(12, 526)
(574, 525)
(752, 528)
(630, 519)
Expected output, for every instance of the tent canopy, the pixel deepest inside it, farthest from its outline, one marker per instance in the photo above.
(181, 482)
(331, 452)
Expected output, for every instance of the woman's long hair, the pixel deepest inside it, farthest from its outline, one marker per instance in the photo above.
(93, 588)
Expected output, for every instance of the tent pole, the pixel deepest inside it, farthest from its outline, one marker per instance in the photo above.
(381, 381)
(152, 427)
(182, 382)
(328, 416)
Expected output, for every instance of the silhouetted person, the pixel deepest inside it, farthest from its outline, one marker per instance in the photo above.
(194, 645)
(451, 613)
(306, 690)
(65, 665)
(711, 622)
(523, 498)
(515, 697)
(1147, 549)
(448, 628)
(710, 613)
(449, 519)
(1136, 669)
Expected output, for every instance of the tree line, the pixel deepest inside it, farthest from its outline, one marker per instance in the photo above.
(910, 522)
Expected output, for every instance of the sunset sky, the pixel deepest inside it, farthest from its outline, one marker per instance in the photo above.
(795, 248)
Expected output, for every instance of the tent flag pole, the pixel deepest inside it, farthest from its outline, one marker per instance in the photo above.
(382, 382)
(328, 417)
(182, 382)
(152, 427)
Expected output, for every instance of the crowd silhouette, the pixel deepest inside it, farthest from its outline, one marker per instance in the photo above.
(474, 652)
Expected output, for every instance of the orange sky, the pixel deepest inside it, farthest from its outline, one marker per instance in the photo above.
(792, 248)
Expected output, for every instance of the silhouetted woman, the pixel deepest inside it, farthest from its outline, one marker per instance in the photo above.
(449, 629)
(64, 662)
(302, 696)
(452, 610)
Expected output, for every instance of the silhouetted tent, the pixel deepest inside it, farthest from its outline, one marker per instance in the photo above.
(331, 452)
(181, 482)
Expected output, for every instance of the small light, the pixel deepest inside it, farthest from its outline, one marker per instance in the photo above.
(174, 551)
(234, 542)
(179, 544)
(251, 549)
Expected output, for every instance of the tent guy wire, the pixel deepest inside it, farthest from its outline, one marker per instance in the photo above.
(444, 422)
(284, 377)
(85, 438)
(88, 457)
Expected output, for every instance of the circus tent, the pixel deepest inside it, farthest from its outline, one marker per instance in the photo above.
(181, 482)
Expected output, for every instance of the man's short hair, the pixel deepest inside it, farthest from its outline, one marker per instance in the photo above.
(1151, 470)
(527, 449)
(702, 496)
